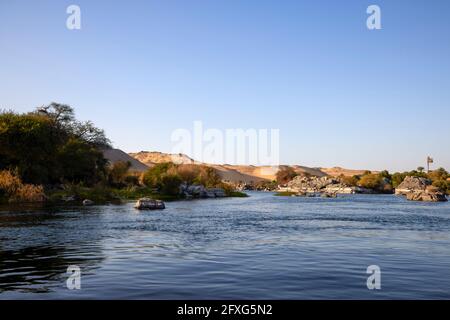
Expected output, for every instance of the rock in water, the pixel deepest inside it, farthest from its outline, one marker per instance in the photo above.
(328, 195)
(87, 202)
(430, 194)
(149, 204)
(216, 192)
(199, 191)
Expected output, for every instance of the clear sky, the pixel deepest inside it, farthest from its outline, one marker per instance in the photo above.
(340, 94)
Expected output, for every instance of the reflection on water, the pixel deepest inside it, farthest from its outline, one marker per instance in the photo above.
(37, 269)
(258, 247)
(38, 244)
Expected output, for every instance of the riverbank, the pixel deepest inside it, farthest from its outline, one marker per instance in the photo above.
(102, 195)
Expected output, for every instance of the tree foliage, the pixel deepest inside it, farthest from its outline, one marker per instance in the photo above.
(50, 146)
(167, 177)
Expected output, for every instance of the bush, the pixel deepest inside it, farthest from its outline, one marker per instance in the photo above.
(438, 175)
(208, 177)
(167, 177)
(398, 178)
(153, 177)
(29, 193)
(350, 181)
(371, 181)
(12, 188)
(285, 194)
(441, 184)
(117, 173)
(9, 182)
(170, 184)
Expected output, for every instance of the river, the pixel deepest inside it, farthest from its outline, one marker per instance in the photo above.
(260, 247)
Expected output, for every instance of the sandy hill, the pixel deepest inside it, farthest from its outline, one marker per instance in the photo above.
(151, 157)
(115, 155)
(239, 173)
(337, 171)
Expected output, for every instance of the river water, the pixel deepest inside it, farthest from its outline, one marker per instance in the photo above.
(261, 247)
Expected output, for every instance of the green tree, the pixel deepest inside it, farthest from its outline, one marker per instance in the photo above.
(350, 181)
(371, 181)
(81, 162)
(49, 146)
(397, 178)
(153, 176)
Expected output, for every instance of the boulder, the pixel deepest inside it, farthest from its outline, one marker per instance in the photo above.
(412, 184)
(199, 191)
(328, 195)
(216, 192)
(339, 188)
(149, 204)
(87, 202)
(309, 184)
(430, 194)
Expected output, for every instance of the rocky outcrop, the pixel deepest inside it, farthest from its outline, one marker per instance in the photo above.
(309, 184)
(412, 185)
(430, 194)
(340, 188)
(199, 191)
(149, 204)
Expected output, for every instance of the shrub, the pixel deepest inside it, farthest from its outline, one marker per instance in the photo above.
(167, 177)
(441, 184)
(398, 178)
(371, 181)
(350, 181)
(9, 182)
(117, 173)
(152, 177)
(437, 175)
(29, 193)
(170, 184)
(208, 177)
(14, 190)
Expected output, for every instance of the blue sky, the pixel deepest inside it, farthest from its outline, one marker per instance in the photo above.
(340, 94)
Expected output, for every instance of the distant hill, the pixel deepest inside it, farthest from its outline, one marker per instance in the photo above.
(337, 171)
(239, 173)
(115, 155)
(151, 157)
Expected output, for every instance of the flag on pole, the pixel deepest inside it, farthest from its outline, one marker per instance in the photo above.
(429, 160)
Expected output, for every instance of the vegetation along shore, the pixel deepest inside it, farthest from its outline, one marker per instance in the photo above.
(47, 155)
